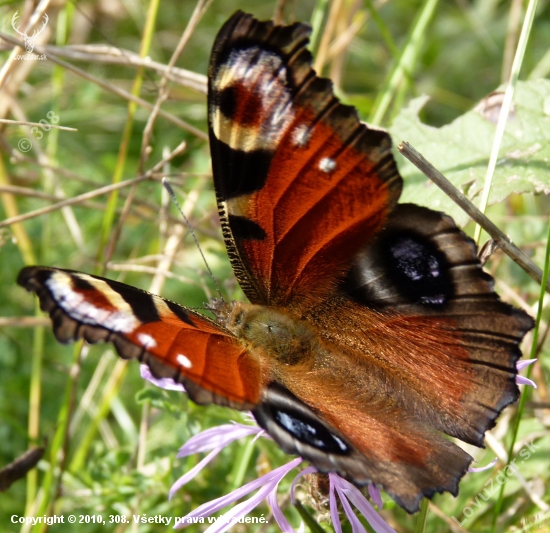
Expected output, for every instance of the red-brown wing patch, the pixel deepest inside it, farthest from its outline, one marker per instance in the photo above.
(301, 183)
(418, 306)
(173, 341)
(378, 443)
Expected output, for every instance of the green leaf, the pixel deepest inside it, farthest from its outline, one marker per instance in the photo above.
(461, 149)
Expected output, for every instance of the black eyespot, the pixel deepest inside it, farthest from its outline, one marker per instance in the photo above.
(418, 268)
(286, 418)
(310, 432)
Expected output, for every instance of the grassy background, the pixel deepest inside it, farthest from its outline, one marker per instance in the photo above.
(118, 444)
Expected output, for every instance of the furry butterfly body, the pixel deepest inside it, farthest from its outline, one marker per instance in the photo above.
(372, 332)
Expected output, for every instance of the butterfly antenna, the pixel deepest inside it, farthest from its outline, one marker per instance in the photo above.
(172, 194)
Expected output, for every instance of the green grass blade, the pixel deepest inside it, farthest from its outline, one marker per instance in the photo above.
(506, 106)
(109, 217)
(406, 63)
(526, 391)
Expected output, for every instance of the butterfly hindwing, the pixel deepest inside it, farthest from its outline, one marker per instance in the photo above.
(422, 277)
(382, 444)
(296, 174)
(175, 342)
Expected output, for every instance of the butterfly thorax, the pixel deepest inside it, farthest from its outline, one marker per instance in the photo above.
(270, 332)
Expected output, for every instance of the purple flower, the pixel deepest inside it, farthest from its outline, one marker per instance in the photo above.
(213, 440)
(350, 493)
(482, 468)
(163, 383)
(267, 486)
(520, 380)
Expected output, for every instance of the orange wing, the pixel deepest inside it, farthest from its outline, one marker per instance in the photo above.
(301, 183)
(173, 341)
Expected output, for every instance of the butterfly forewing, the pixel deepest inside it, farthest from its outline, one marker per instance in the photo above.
(297, 175)
(175, 342)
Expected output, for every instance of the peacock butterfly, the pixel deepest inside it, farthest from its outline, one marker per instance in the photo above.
(372, 333)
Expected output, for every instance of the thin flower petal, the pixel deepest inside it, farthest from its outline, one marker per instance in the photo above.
(261, 433)
(482, 468)
(304, 472)
(224, 522)
(333, 505)
(216, 437)
(520, 365)
(522, 380)
(188, 476)
(356, 525)
(355, 496)
(209, 508)
(277, 512)
(163, 383)
(375, 496)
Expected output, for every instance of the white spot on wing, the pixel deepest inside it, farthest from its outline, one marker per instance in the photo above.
(146, 340)
(301, 135)
(75, 304)
(184, 361)
(327, 164)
